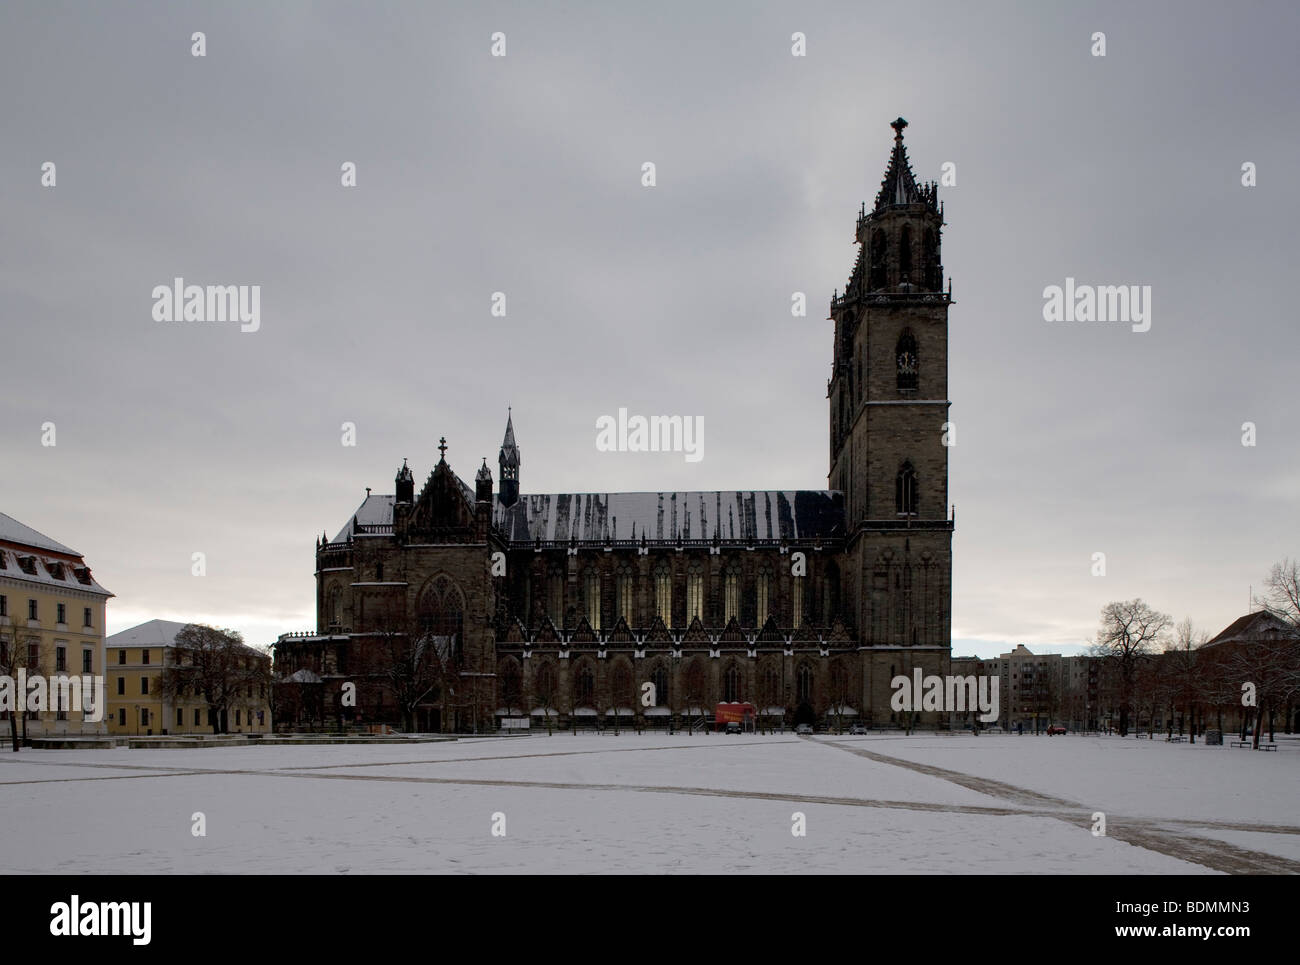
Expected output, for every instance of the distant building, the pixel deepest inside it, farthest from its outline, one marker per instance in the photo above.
(1259, 648)
(51, 622)
(138, 706)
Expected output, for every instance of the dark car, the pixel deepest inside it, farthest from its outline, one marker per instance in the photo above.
(733, 727)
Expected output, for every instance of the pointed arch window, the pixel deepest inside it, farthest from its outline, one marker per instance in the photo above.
(694, 593)
(510, 679)
(731, 684)
(762, 591)
(804, 684)
(623, 592)
(796, 602)
(555, 596)
(878, 259)
(334, 608)
(664, 593)
(591, 597)
(659, 677)
(620, 686)
(830, 594)
(731, 594)
(908, 365)
(930, 249)
(905, 254)
(584, 687)
(545, 689)
(906, 490)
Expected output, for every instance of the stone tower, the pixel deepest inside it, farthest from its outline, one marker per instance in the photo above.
(888, 413)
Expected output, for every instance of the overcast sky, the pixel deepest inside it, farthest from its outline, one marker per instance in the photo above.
(522, 174)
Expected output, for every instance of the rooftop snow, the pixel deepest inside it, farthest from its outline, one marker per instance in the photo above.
(739, 516)
(16, 532)
(154, 633)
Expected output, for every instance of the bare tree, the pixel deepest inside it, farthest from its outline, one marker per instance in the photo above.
(1130, 630)
(1185, 672)
(18, 653)
(412, 664)
(841, 689)
(1266, 661)
(215, 665)
(546, 694)
(1282, 591)
(695, 688)
(1281, 598)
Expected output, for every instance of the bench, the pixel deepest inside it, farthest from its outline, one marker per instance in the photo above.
(1175, 739)
(1268, 747)
(1240, 743)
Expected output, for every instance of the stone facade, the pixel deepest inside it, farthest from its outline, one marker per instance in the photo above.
(654, 607)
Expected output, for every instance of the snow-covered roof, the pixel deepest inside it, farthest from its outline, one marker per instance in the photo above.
(16, 532)
(35, 567)
(154, 633)
(159, 633)
(373, 511)
(728, 515)
(734, 516)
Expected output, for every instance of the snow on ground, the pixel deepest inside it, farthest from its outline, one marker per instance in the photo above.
(1122, 775)
(430, 807)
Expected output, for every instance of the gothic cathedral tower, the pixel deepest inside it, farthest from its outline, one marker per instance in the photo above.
(888, 414)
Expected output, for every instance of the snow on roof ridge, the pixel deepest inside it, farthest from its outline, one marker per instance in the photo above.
(135, 635)
(15, 532)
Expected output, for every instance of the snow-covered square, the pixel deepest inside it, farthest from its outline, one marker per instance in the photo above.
(660, 803)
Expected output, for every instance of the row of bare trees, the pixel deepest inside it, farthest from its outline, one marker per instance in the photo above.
(1153, 669)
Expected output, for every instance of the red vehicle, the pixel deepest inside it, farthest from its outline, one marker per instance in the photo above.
(743, 714)
(1055, 729)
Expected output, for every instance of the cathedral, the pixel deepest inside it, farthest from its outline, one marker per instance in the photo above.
(649, 609)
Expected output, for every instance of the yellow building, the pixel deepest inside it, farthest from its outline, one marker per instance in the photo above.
(138, 705)
(51, 625)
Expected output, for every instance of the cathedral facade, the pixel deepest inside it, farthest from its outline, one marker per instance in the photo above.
(651, 608)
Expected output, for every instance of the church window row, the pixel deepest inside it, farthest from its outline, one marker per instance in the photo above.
(748, 601)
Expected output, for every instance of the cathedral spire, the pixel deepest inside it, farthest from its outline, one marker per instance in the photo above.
(508, 461)
(899, 185)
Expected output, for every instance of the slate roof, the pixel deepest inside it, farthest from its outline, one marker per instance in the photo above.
(732, 516)
(742, 516)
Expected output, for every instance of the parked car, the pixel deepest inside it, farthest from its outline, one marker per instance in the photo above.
(733, 727)
(1055, 729)
(858, 729)
(804, 729)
